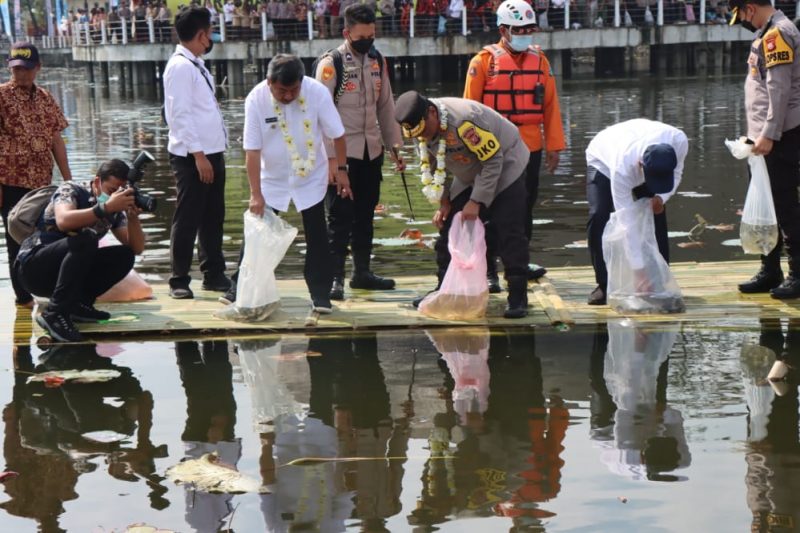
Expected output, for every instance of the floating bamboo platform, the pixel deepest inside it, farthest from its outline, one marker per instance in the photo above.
(558, 300)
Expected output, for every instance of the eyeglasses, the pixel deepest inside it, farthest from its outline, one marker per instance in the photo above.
(523, 30)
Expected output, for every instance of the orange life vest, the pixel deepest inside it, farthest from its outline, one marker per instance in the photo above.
(509, 88)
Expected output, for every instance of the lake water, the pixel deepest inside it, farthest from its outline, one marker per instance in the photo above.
(608, 428)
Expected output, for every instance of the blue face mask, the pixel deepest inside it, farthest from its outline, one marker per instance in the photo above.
(103, 198)
(520, 43)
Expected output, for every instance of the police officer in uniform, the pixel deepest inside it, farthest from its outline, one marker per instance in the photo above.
(772, 103)
(487, 159)
(364, 101)
(515, 79)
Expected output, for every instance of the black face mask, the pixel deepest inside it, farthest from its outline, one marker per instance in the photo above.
(746, 24)
(362, 46)
(209, 47)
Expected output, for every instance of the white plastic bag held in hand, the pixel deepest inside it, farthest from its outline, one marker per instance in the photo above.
(464, 294)
(639, 279)
(759, 227)
(266, 240)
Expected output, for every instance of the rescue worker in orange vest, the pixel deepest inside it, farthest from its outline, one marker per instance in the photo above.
(515, 79)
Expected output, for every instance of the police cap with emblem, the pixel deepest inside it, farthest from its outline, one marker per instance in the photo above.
(410, 111)
(23, 55)
(737, 6)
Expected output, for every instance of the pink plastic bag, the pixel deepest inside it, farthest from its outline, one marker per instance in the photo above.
(129, 289)
(464, 294)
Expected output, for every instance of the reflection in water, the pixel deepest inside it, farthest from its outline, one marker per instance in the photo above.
(206, 375)
(639, 435)
(773, 457)
(45, 428)
(496, 444)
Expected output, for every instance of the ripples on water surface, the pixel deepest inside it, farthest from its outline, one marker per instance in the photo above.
(619, 429)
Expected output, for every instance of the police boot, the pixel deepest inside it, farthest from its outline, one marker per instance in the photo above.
(517, 297)
(789, 289)
(492, 280)
(337, 289)
(416, 301)
(766, 279)
(363, 278)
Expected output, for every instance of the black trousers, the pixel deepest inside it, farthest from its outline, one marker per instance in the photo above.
(12, 196)
(317, 269)
(601, 205)
(199, 215)
(506, 215)
(532, 171)
(74, 270)
(783, 166)
(351, 221)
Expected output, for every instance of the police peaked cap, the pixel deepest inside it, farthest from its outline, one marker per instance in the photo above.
(410, 111)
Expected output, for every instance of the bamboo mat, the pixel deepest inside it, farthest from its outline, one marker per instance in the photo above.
(559, 299)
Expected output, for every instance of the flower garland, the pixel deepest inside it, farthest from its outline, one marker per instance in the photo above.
(301, 167)
(433, 184)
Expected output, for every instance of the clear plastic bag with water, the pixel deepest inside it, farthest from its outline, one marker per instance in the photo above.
(266, 240)
(759, 228)
(639, 279)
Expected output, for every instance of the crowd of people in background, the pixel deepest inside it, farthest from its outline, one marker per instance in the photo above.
(288, 19)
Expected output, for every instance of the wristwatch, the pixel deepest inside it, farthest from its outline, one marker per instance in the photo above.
(345, 168)
(99, 210)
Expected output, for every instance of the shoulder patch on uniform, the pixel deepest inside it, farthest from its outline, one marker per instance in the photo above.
(480, 142)
(776, 50)
(328, 72)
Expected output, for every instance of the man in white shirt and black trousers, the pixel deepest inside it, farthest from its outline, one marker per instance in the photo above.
(197, 143)
(285, 119)
(628, 161)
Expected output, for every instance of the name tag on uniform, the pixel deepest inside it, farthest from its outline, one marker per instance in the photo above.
(271, 120)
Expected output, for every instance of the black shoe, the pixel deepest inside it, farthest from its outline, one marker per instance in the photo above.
(764, 281)
(337, 289)
(59, 326)
(321, 305)
(517, 298)
(219, 283)
(598, 297)
(229, 297)
(368, 280)
(535, 272)
(416, 301)
(494, 283)
(181, 293)
(88, 313)
(788, 290)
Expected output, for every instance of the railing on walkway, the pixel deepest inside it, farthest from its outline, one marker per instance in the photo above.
(560, 16)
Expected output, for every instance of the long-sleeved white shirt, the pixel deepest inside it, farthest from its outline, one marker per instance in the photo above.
(262, 131)
(617, 152)
(190, 106)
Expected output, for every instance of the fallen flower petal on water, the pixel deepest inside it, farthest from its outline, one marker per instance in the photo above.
(8, 474)
(692, 244)
(722, 227)
(53, 382)
(144, 528)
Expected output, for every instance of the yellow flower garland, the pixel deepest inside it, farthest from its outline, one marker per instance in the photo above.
(301, 167)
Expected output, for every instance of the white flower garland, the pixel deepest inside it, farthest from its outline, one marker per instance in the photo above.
(433, 184)
(301, 167)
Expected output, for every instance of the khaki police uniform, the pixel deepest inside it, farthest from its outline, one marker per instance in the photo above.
(367, 109)
(772, 102)
(487, 159)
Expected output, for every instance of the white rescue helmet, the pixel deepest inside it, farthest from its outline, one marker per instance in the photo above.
(515, 13)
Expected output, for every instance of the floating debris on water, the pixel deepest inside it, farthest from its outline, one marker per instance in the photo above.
(732, 242)
(542, 221)
(75, 376)
(677, 234)
(104, 437)
(396, 241)
(577, 244)
(691, 244)
(209, 474)
(693, 194)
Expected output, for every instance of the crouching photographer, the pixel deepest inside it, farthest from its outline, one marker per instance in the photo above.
(61, 260)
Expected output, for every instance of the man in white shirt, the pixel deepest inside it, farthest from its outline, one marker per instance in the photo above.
(628, 161)
(285, 119)
(228, 10)
(197, 143)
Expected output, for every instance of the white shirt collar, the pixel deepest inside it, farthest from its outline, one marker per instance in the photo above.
(180, 49)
